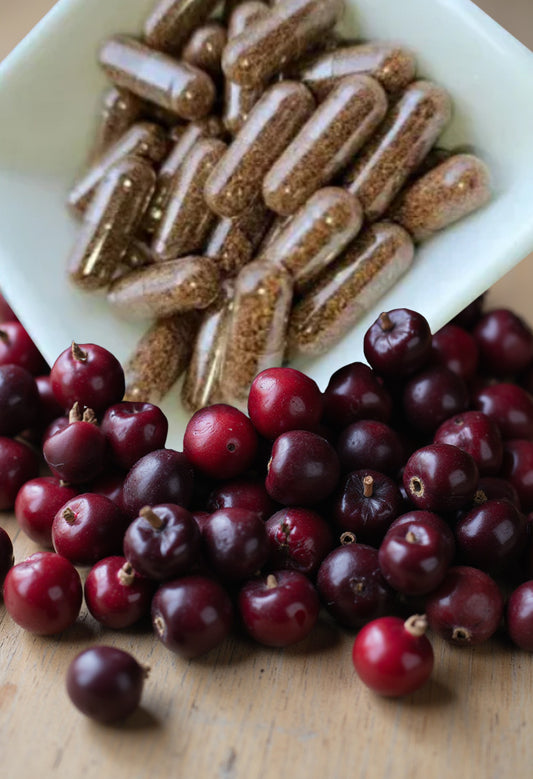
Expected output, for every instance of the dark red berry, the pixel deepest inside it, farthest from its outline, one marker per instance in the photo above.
(133, 430)
(6, 555)
(367, 504)
(477, 434)
(37, 503)
(398, 343)
(494, 488)
(244, 494)
(456, 349)
(491, 536)
(300, 539)
(163, 476)
(370, 444)
(49, 408)
(115, 594)
(519, 615)
(509, 406)
(354, 392)
(6, 312)
(88, 528)
(432, 396)
(75, 454)
(87, 374)
(235, 542)
(518, 469)
(19, 400)
(54, 427)
(17, 348)
(109, 484)
(505, 342)
(18, 464)
(470, 315)
(282, 399)
(440, 477)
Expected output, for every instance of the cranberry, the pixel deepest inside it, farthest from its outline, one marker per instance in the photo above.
(54, 427)
(282, 399)
(43, 594)
(115, 594)
(300, 540)
(88, 528)
(163, 476)
(18, 464)
(416, 552)
(505, 342)
(19, 400)
(367, 504)
(520, 616)
(37, 503)
(6, 312)
(6, 555)
(466, 608)
(87, 374)
(192, 615)
(398, 343)
(133, 430)
(303, 470)
(109, 484)
(242, 494)
(280, 609)
(440, 477)
(75, 454)
(477, 434)
(456, 349)
(432, 396)
(494, 488)
(17, 348)
(354, 392)
(105, 683)
(509, 406)
(163, 542)
(393, 657)
(236, 542)
(469, 316)
(49, 408)
(518, 469)
(370, 444)
(491, 535)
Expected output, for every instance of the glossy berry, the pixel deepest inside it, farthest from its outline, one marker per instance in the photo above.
(282, 399)
(495, 488)
(455, 349)
(192, 615)
(17, 348)
(109, 483)
(491, 536)
(303, 470)
(440, 477)
(517, 468)
(163, 476)
(6, 555)
(88, 528)
(220, 441)
(105, 683)
(37, 503)
(470, 315)
(244, 494)
(87, 374)
(115, 594)
(133, 430)
(366, 505)
(54, 427)
(393, 657)
(432, 396)
(235, 542)
(75, 454)
(49, 408)
(279, 609)
(6, 312)
(370, 444)
(477, 434)
(354, 392)
(509, 406)
(398, 343)
(43, 594)
(519, 616)
(300, 539)
(18, 464)
(505, 342)
(19, 400)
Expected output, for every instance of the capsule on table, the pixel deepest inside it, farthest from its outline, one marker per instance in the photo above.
(204, 48)
(392, 65)
(200, 385)
(229, 247)
(326, 143)
(236, 181)
(398, 147)
(316, 234)
(452, 190)
(257, 328)
(160, 358)
(120, 109)
(348, 288)
(170, 83)
(171, 22)
(143, 139)
(270, 44)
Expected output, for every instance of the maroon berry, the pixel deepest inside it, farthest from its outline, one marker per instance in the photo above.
(133, 430)
(18, 464)
(398, 343)
(370, 444)
(432, 396)
(235, 542)
(520, 616)
(495, 488)
(115, 594)
(19, 400)
(17, 348)
(89, 375)
(163, 476)
(242, 494)
(477, 434)
(518, 469)
(505, 342)
(109, 484)
(367, 504)
(75, 454)
(282, 399)
(300, 539)
(88, 528)
(37, 503)
(354, 392)
(6, 312)
(456, 349)
(440, 477)
(469, 316)
(491, 536)
(54, 427)
(509, 406)
(6, 555)
(49, 408)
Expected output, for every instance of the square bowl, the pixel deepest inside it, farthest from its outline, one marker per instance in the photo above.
(50, 88)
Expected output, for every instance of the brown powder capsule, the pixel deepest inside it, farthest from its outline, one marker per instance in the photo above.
(187, 220)
(257, 328)
(229, 247)
(165, 288)
(316, 234)
(172, 22)
(144, 140)
(393, 66)
(204, 48)
(111, 220)
(348, 288)
(171, 84)
(120, 109)
(326, 143)
(270, 44)
(398, 147)
(452, 190)
(236, 181)
(160, 358)
(200, 386)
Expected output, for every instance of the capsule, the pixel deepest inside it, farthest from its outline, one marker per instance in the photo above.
(172, 22)
(111, 220)
(257, 328)
(187, 220)
(316, 234)
(120, 109)
(236, 181)
(229, 247)
(200, 386)
(392, 65)
(398, 147)
(144, 140)
(326, 143)
(170, 83)
(270, 44)
(160, 358)
(348, 288)
(204, 48)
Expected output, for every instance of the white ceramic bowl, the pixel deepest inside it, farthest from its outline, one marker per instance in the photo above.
(50, 87)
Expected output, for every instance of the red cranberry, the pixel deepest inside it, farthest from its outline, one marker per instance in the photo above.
(236, 542)
(6, 555)
(105, 683)
(54, 427)
(242, 494)
(37, 503)
(477, 434)
(440, 477)
(163, 476)
(300, 540)
(466, 608)
(43, 594)
(470, 315)
(370, 444)
(505, 342)
(49, 408)
(75, 454)
(393, 657)
(520, 616)
(280, 609)
(220, 441)
(518, 469)
(192, 615)
(17, 348)
(163, 542)
(491, 536)
(109, 484)
(19, 400)
(457, 350)
(88, 528)
(495, 488)
(6, 312)
(354, 392)
(115, 594)
(398, 343)
(87, 374)
(282, 399)
(303, 470)
(18, 464)
(432, 396)
(509, 406)
(367, 504)
(133, 430)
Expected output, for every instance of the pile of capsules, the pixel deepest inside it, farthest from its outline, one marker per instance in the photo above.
(254, 188)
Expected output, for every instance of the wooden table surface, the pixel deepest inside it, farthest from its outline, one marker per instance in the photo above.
(246, 712)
